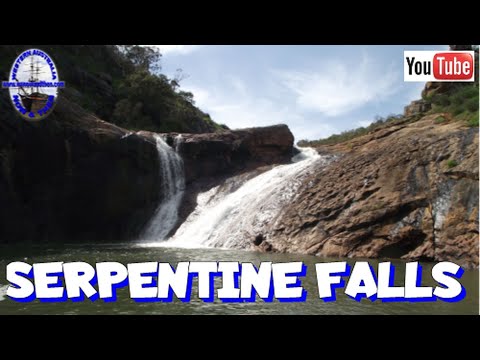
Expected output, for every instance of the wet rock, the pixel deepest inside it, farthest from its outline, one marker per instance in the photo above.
(258, 239)
(265, 247)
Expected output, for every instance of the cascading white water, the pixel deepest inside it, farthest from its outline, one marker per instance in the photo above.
(3, 292)
(233, 219)
(171, 193)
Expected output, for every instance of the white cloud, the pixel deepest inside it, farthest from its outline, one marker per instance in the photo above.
(305, 100)
(339, 88)
(177, 49)
(236, 106)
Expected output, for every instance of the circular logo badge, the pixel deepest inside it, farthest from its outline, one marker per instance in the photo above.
(33, 84)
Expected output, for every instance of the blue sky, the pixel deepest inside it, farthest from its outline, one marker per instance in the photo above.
(316, 90)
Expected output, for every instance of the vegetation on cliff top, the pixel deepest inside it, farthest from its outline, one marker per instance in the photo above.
(460, 100)
(122, 85)
(352, 134)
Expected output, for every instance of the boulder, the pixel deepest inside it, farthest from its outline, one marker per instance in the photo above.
(417, 107)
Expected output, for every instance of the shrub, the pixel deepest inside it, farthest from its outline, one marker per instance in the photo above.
(457, 109)
(473, 121)
(440, 120)
(472, 104)
(469, 92)
(452, 163)
(441, 100)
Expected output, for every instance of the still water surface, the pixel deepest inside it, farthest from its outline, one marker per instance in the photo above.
(129, 254)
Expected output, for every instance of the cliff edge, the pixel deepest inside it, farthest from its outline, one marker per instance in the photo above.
(405, 191)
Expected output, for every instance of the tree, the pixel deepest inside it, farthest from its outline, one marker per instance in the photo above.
(187, 96)
(179, 77)
(131, 114)
(143, 57)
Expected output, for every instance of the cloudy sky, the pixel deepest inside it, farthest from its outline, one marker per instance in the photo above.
(316, 90)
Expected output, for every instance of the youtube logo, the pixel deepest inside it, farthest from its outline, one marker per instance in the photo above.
(439, 66)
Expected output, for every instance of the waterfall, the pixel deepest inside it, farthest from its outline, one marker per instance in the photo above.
(3, 292)
(232, 219)
(171, 193)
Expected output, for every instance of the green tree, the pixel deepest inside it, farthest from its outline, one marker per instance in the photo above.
(143, 57)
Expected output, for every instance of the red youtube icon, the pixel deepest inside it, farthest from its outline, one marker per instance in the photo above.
(453, 66)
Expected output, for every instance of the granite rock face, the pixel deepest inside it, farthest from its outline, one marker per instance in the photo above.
(417, 107)
(408, 191)
(230, 151)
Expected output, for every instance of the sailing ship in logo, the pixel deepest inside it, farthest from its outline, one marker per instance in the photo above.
(32, 98)
(33, 84)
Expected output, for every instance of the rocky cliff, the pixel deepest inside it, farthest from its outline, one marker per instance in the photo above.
(74, 177)
(228, 152)
(409, 191)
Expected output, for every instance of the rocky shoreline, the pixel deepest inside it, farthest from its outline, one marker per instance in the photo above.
(407, 191)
